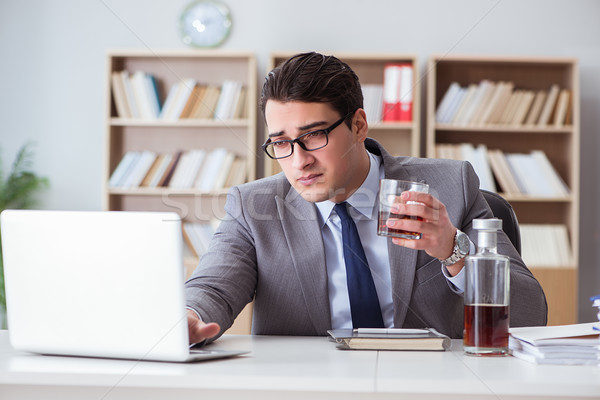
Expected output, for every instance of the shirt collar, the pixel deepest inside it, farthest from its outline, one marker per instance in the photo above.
(364, 200)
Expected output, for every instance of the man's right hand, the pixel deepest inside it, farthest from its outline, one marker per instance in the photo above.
(199, 330)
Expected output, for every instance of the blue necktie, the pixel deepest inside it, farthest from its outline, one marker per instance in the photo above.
(364, 304)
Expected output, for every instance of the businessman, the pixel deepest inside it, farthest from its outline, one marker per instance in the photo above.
(303, 245)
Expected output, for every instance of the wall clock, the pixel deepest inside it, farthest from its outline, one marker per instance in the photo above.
(205, 23)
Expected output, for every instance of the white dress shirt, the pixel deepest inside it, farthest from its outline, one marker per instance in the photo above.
(364, 209)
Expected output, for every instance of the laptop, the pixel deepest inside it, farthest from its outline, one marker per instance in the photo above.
(99, 284)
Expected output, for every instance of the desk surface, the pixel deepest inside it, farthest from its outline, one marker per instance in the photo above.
(294, 368)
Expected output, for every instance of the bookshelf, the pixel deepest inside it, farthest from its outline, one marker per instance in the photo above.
(560, 142)
(169, 136)
(399, 138)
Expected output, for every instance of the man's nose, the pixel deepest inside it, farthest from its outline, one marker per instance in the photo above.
(301, 158)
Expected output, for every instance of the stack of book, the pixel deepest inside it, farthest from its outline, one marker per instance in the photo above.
(563, 344)
(500, 103)
(545, 245)
(194, 169)
(516, 174)
(197, 236)
(136, 96)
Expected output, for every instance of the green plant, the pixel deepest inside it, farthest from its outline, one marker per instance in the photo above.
(17, 190)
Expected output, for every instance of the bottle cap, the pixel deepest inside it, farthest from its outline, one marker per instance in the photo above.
(494, 224)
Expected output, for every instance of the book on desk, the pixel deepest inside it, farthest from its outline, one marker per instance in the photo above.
(576, 344)
(390, 339)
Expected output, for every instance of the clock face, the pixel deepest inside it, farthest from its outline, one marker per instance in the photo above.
(205, 23)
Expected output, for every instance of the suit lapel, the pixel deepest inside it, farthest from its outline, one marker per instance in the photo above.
(303, 235)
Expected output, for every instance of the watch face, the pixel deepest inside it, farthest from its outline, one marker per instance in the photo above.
(462, 240)
(205, 23)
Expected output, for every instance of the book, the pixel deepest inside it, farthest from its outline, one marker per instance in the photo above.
(523, 108)
(177, 99)
(119, 95)
(141, 95)
(511, 107)
(497, 100)
(240, 111)
(224, 170)
(164, 162)
(502, 172)
(154, 99)
(545, 245)
(152, 171)
(561, 107)
(549, 106)
(457, 111)
(142, 165)
(457, 101)
(536, 108)
(198, 236)
(483, 90)
(444, 104)
(198, 96)
(206, 108)
(559, 186)
(484, 103)
(477, 156)
(170, 170)
(507, 91)
(373, 101)
(213, 163)
(573, 344)
(126, 80)
(191, 101)
(237, 173)
(530, 175)
(390, 339)
(122, 170)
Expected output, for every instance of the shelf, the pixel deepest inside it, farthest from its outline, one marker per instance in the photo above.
(532, 199)
(203, 123)
(391, 125)
(504, 129)
(165, 192)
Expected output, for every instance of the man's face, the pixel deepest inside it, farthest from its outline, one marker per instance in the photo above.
(333, 172)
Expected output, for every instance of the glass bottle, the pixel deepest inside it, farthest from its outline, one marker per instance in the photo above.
(486, 294)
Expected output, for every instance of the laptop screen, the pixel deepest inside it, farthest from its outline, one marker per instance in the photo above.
(105, 284)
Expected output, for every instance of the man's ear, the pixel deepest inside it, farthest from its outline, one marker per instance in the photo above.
(360, 127)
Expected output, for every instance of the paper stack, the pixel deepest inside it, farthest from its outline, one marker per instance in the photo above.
(564, 344)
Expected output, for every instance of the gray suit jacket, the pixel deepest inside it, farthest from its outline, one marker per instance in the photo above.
(269, 248)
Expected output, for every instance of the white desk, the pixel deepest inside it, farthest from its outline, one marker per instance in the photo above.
(294, 368)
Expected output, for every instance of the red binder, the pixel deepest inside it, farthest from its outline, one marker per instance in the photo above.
(397, 92)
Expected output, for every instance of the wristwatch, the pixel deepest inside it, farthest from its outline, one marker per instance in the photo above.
(462, 245)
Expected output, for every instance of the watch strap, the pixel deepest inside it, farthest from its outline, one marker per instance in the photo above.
(456, 255)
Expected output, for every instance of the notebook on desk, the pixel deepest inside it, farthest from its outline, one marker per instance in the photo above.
(99, 284)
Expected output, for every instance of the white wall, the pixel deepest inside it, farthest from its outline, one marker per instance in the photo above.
(52, 69)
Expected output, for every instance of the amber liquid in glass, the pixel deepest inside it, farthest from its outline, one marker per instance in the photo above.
(486, 326)
(383, 230)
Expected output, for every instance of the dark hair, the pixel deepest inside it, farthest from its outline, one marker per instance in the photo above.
(314, 78)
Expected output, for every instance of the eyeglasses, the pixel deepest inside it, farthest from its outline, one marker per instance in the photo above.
(309, 141)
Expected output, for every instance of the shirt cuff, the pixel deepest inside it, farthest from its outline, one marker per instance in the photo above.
(195, 312)
(457, 282)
